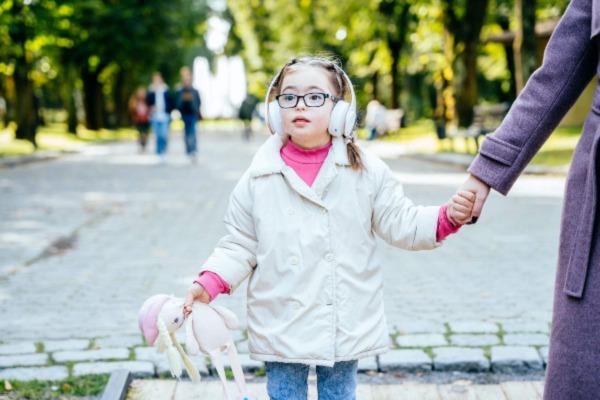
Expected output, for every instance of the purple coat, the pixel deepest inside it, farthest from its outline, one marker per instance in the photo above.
(570, 62)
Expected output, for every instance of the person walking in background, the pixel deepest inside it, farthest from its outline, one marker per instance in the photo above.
(187, 101)
(246, 113)
(571, 60)
(306, 239)
(375, 119)
(160, 103)
(140, 113)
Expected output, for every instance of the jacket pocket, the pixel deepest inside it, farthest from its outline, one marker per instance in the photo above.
(499, 150)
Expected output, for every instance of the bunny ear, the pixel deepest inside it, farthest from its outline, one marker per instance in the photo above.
(148, 316)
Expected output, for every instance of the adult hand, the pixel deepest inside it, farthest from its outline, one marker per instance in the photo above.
(194, 292)
(481, 191)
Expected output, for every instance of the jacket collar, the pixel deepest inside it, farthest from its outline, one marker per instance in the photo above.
(268, 157)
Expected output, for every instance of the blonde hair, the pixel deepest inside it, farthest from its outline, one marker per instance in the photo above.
(338, 83)
(168, 342)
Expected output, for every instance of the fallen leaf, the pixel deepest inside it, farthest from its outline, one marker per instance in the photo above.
(7, 386)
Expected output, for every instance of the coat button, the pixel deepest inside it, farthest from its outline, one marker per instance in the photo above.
(289, 211)
(328, 257)
(295, 305)
(294, 260)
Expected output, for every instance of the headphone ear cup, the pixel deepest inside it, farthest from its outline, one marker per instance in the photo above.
(337, 121)
(350, 121)
(275, 117)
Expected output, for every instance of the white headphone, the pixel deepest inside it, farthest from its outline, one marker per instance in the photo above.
(343, 116)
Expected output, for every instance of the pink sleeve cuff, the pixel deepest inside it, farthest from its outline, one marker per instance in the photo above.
(444, 226)
(213, 284)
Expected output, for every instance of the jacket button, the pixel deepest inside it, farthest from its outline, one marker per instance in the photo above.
(295, 305)
(294, 260)
(328, 257)
(289, 211)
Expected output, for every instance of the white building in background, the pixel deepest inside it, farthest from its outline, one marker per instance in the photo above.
(221, 93)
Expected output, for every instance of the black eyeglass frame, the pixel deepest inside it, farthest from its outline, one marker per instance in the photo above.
(298, 97)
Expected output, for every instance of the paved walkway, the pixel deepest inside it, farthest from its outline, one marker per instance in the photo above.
(162, 390)
(86, 238)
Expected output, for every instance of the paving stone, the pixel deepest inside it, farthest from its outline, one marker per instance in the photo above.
(421, 340)
(405, 361)
(521, 327)
(53, 373)
(526, 339)
(409, 327)
(474, 340)
(61, 345)
(515, 359)
(460, 359)
(367, 364)
(242, 347)
(23, 360)
(17, 348)
(161, 361)
(473, 327)
(90, 355)
(139, 369)
(248, 364)
(119, 341)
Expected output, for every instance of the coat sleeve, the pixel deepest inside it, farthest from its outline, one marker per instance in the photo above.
(234, 257)
(397, 220)
(570, 62)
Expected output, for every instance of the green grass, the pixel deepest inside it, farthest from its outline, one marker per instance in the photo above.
(55, 137)
(71, 388)
(421, 137)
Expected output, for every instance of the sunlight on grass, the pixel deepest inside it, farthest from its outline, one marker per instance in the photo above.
(421, 137)
(55, 137)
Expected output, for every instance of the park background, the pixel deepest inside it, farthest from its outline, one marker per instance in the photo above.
(68, 68)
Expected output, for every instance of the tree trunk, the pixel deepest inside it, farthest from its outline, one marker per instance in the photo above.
(396, 44)
(92, 100)
(525, 45)
(122, 93)
(469, 30)
(25, 110)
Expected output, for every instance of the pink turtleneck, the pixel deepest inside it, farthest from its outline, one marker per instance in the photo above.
(307, 163)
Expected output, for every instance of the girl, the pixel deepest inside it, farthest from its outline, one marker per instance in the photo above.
(302, 223)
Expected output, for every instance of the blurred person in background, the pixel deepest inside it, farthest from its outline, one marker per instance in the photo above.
(140, 113)
(160, 103)
(187, 101)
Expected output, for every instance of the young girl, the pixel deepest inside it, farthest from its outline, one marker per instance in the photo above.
(302, 223)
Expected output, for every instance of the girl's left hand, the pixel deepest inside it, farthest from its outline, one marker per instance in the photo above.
(460, 207)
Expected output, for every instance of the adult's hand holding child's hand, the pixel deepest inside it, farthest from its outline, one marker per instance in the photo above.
(460, 207)
(194, 292)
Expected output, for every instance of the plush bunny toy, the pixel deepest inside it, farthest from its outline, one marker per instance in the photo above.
(207, 331)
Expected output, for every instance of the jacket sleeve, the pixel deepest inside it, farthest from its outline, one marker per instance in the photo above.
(397, 220)
(234, 257)
(570, 62)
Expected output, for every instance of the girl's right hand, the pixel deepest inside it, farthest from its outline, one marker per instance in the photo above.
(194, 292)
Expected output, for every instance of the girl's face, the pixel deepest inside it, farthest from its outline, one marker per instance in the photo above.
(307, 126)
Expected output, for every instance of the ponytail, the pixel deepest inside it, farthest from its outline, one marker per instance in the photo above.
(354, 156)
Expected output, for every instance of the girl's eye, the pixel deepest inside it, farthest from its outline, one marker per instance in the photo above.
(315, 96)
(289, 97)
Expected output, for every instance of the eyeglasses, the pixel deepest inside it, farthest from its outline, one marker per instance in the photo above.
(310, 99)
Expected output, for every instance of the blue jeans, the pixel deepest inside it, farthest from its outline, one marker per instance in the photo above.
(286, 381)
(161, 132)
(189, 123)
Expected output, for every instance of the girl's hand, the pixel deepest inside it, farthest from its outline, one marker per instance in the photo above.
(460, 207)
(194, 292)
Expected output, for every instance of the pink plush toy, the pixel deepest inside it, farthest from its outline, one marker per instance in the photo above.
(207, 331)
